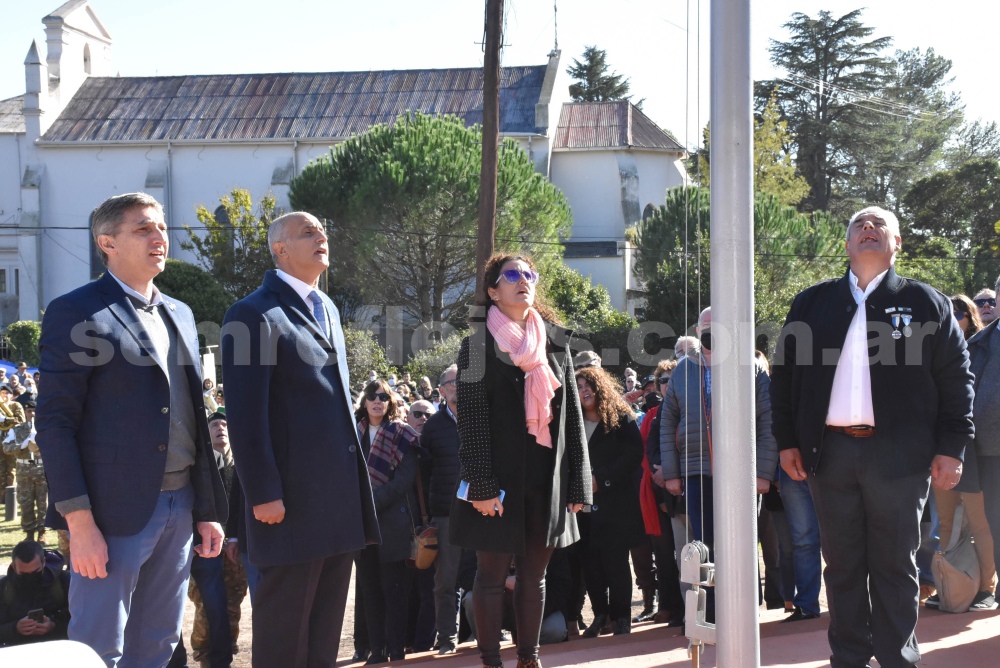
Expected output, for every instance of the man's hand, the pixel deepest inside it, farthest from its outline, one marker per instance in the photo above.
(86, 544)
(945, 472)
(658, 476)
(675, 486)
(574, 507)
(26, 626)
(211, 539)
(271, 512)
(634, 396)
(232, 551)
(763, 485)
(44, 627)
(791, 463)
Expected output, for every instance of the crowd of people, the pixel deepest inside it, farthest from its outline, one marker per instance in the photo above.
(546, 481)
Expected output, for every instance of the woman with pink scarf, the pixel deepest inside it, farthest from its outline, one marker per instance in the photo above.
(523, 453)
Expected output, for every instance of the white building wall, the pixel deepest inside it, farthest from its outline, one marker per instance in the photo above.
(592, 185)
(658, 172)
(10, 177)
(606, 271)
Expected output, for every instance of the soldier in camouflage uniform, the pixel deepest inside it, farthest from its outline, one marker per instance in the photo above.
(32, 489)
(206, 570)
(11, 413)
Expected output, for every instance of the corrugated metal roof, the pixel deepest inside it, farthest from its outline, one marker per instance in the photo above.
(12, 115)
(618, 124)
(286, 106)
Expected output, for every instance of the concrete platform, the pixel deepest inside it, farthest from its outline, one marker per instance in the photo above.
(970, 640)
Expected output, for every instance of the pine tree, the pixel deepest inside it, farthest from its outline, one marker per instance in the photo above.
(831, 67)
(594, 83)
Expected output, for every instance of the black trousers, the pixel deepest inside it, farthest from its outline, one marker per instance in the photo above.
(870, 532)
(989, 478)
(385, 589)
(299, 613)
(529, 590)
(609, 580)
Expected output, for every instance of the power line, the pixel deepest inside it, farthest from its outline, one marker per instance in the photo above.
(56, 242)
(857, 99)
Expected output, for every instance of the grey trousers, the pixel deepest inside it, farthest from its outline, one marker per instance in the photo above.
(445, 588)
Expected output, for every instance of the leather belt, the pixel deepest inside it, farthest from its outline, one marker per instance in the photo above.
(854, 431)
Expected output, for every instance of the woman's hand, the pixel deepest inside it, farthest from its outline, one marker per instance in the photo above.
(675, 486)
(489, 507)
(574, 507)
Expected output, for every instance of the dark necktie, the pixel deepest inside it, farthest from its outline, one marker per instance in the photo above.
(319, 312)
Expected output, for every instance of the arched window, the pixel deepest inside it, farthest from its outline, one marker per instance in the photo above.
(86, 59)
(647, 213)
(222, 218)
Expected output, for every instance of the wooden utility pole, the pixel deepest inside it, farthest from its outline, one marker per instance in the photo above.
(491, 138)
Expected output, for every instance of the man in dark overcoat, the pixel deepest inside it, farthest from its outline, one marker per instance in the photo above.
(307, 493)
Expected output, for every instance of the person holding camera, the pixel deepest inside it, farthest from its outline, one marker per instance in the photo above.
(34, 598)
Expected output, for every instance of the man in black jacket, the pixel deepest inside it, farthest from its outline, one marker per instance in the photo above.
(872, 399)
(440, 439)
(34, 598)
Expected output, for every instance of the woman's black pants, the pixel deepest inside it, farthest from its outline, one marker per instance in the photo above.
(529, 590)
(384, 590)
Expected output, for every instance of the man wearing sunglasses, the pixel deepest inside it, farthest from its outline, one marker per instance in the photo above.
(308, 496)
(986, 301)
(440, 438)
(420, 411)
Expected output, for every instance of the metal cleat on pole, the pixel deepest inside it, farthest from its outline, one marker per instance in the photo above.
(699, 572)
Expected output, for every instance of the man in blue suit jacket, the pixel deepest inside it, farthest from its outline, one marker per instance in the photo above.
(308, 496)
(122, 427)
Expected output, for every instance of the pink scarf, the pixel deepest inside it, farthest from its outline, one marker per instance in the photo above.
(526, 348)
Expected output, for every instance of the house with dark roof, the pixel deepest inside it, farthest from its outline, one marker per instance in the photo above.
(80, 134)
(614, 164)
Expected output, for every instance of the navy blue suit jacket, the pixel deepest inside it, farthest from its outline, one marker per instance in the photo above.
(103, 421)
(292, 430)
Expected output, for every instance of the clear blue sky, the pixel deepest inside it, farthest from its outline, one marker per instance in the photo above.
(645, 40)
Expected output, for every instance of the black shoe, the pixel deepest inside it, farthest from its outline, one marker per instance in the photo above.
(622, 626)
(376, 659)
(984, 601)
(360, 655)
(648, 606)
(594, 629)
(933, 602)
(798, 615)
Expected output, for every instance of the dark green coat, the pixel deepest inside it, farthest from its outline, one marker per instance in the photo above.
(495, 439)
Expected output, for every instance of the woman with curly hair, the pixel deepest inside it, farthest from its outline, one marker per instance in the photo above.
(614, 523)
(522, 454)
(389, 446)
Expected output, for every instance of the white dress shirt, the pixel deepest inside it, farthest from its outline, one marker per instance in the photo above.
(155, 301)
(851, 397)
(302, 289)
